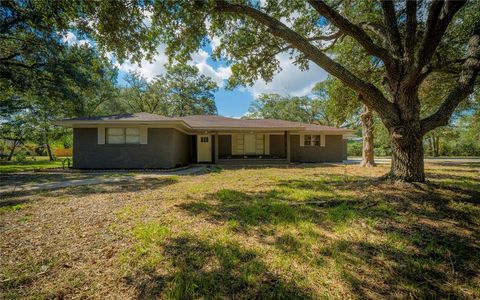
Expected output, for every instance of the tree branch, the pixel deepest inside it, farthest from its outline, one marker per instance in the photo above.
(411, 34)
(464, 87)
(377, 29)
(333, 37)
(352, 30)
(374, 98)
(439, 18)
(392, 28)
(9, 57)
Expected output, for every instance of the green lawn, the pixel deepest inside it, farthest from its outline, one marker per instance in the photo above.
(30, 164)
(324, 231)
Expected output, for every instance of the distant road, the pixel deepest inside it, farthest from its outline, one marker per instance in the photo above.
(443, 160)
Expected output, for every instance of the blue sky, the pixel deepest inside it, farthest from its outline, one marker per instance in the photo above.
(230, 103)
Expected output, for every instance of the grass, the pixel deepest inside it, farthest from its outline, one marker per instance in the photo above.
(30, 164)
(8, 208)
(324, 231)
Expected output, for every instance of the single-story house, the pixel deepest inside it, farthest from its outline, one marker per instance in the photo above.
(144, 140)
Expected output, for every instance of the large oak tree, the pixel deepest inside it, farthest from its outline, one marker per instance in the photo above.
(406, 38)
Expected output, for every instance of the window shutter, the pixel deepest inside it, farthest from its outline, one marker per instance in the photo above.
(101, 135)
(302, 139)
(322, 140)
(267, 144)
(234, 144)
(259, 144)
(143, 135)
(237, 144)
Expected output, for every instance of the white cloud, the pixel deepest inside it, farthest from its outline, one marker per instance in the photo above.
(219, 75)
(215, 42)
(157, 66)
(71, 39)
(147, 19)
(291, 80)
(146, 68)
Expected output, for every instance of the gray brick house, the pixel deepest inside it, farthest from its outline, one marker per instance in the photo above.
(144, 140)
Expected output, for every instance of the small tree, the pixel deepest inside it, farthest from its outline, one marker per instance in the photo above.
(188, 92)
(298, 109)
(344, 107)
(15, 131)
(181, 91)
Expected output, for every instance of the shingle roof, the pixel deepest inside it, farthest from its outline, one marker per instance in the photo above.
(221, 122)
(315, 127)
(201, 121)
(125, 117)
(209, 122)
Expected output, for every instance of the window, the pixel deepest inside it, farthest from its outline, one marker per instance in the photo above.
(312, 140)
(204, 139)
(132, 135)
(123, 136)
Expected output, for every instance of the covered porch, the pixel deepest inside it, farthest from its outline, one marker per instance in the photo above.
(254, 148)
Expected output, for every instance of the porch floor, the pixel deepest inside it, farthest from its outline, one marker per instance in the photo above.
(251, 161)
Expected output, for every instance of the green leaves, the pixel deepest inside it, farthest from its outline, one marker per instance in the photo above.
(299, 109)
(181, 91)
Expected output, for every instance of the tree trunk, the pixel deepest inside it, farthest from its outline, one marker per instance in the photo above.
(430, 144)
(49, 150)
(436, 146)
(12, 151)
(368, 157)
(433, 142)
(407, 154)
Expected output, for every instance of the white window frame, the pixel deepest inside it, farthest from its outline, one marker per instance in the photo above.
(124, 136)
(312, 140)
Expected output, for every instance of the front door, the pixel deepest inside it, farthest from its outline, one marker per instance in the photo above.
(204, 148)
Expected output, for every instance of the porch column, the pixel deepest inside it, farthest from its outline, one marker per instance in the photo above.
(215, 149)
(287, 145)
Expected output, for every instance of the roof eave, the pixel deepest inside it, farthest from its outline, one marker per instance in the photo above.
(78, 123)
(236, 128)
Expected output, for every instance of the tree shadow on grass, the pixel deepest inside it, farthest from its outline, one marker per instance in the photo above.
(213, 270)
(468, 165)
(12, 202)
(441, 262)
(450, 177)
(248, 210)
(134, 185)
(277, 207)
(37, 178)
(424, 258)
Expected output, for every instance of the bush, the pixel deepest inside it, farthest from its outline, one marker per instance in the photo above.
(382, 151)
(354, 148)
(21, 156)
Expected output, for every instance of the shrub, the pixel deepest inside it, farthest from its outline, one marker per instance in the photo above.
(354, 148)
(21, 156)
